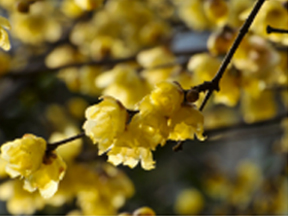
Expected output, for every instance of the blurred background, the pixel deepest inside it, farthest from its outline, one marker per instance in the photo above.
(66, 54)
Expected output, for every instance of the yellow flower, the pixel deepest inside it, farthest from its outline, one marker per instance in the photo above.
(193, 14)
(154, 57)
(144, 211)
(252, 107)
(118, 83)
(89, 4)
(204, 67)
(47, 177)
(167, 98)
(274, 14)
(20, 201)
(105, 121)
(216, 11)
(27, 157)
(38, 26)
(189, 201)
(131, 157)
(187, 122)
(24, 156)
(4, 39)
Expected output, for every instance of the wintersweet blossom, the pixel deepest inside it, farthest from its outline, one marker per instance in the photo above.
(27, 158)
(46, 178)
(24, 156)
(105, 121)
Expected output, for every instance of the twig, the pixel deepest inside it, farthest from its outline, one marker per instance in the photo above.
(214, 83)
(53, 146)
(271, 29)
(244, 29)
(32, 72)
(28, 72)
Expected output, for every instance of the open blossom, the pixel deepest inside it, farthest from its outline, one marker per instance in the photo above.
(187, 122)
(24, 156)
(27, 158)
(105, 121)
(4, 39)
(46, 178)
(131, 157)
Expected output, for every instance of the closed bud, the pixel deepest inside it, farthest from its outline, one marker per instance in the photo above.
(192, 95)
(23, 6)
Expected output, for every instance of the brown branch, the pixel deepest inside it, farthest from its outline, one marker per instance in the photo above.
(244, 29)
(270, 30)
(214, 83)
(52, 146)
(37, 69)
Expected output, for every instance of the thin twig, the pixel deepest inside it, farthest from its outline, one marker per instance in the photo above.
(244, 29)
(214, 83)
(28, 72)
(53, 146)
(271, 29)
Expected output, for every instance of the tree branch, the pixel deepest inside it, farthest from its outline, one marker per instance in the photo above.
(30, 72)
(53, 146)
(244, 29)
(270, 30)
(214, 83)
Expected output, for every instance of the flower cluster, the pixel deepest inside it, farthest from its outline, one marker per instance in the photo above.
(163, 114)
(27, 158)
(99, 191)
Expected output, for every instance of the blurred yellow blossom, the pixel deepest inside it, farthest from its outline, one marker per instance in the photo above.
(77, 106)
(89, 4)
(81, 79)
(144, 211)
(274, 14)
(189, 201)
(4, 38)
(154, 57)
(203, 66)
(71, 9)
(38, 26)
(216, 11)
(118, 83)
(252, 108)
(20, 201)
(63, 55)
(101, 191)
